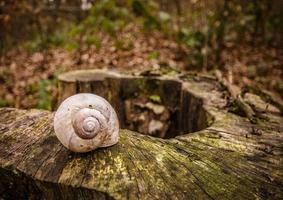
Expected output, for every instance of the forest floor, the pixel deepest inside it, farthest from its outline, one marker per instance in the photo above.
(28, 80)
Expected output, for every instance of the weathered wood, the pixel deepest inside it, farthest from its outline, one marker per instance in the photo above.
(235, 92)
(128, 93)
(230, 159)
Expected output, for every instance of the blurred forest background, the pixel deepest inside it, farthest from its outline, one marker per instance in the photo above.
(40, 39)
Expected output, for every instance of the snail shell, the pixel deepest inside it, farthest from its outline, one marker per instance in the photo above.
(84, 122)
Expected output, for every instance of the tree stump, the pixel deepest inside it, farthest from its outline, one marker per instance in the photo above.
(191, 147)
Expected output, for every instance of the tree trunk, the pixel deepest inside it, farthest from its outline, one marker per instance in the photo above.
(227, 158)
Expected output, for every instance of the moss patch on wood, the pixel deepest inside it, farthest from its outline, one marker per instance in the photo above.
(230, 159)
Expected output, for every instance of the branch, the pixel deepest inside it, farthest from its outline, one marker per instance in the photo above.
(235, 92)
(267, 96)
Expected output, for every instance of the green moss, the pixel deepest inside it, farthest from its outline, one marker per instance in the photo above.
(45, 94)
(155, 98)
(71, 46)
(153, 55)
(209, 119)
(235, 108)
(109, 96)
(4, 103)
(93, 40)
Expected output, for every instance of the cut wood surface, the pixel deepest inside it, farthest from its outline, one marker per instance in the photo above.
(230, 159)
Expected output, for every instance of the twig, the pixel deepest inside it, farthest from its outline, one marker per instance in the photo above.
(235, 92)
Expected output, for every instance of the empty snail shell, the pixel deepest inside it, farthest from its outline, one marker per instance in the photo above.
(84, 122)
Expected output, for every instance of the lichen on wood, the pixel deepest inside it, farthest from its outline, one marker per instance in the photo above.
(230, 159)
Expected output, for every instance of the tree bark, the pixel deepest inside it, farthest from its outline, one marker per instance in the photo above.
(230, 159)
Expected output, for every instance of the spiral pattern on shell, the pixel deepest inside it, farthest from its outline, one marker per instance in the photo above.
(84, 122)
